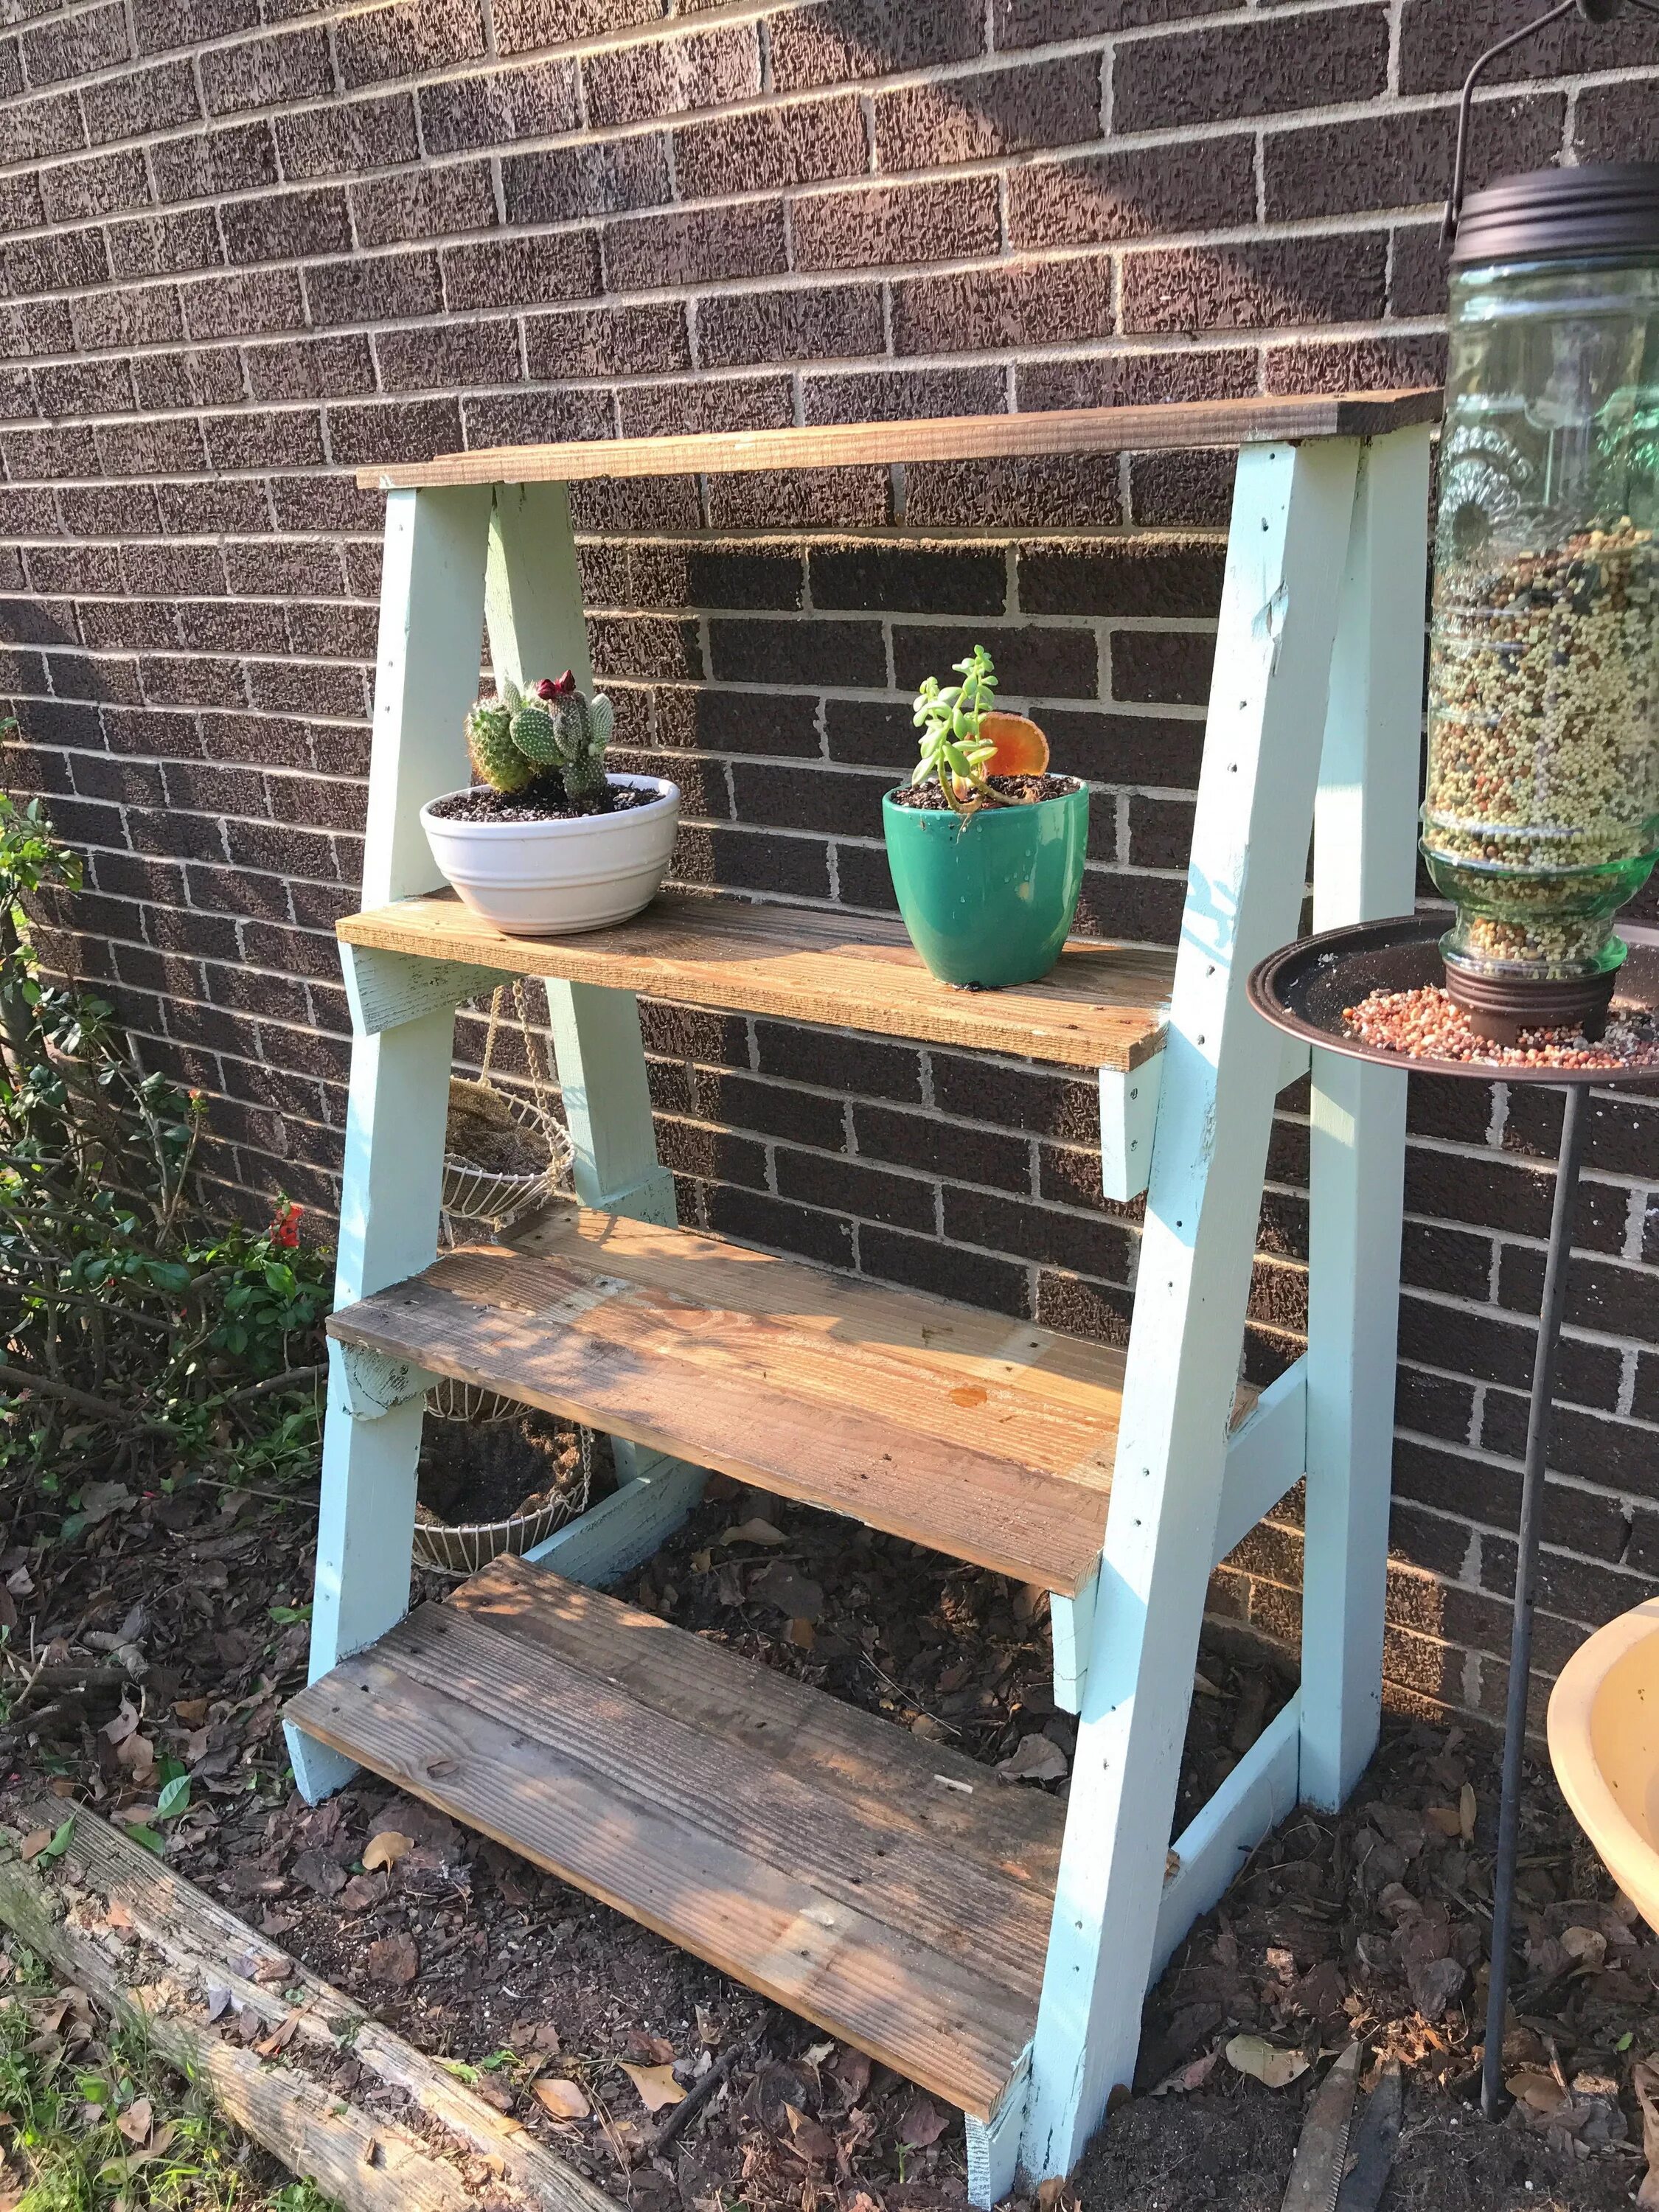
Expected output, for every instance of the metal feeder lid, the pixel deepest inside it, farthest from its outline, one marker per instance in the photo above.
(1604, 207)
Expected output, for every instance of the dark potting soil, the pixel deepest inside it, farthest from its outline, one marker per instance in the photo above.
(1019, 790)
(544, 800)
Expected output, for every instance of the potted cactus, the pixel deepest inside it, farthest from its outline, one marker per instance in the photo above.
(985, 846)
(547, 840)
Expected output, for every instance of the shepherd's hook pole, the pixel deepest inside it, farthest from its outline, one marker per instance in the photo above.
(1539, 1418)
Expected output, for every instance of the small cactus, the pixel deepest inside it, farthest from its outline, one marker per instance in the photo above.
(514, 740)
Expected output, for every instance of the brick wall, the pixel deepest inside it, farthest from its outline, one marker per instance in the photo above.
(248, 247)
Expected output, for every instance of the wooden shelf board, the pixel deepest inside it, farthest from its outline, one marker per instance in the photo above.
(1102, 1006)
(963, 437)
(987, 1438)
(892, 1891)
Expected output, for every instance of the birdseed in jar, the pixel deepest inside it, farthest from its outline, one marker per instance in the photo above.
(1542, 810)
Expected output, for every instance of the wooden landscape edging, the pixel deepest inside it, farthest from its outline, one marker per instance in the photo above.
(434, 2147)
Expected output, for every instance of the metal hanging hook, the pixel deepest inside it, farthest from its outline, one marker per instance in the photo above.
(1593, 11)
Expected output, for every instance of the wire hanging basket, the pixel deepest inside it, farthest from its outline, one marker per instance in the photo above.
(488, 1198)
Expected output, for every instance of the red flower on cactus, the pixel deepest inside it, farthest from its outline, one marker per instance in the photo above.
(285, 1229)
(549, 689)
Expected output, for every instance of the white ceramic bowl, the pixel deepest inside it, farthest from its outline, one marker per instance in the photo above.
(551, 878)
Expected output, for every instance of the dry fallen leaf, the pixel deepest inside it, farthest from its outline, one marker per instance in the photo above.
(1465, 1811)
(808, 2139)
(137, 2121)
(393, 1959)
(385, 1849)
(1535, 2089)
(1264, 2061)
(1444, 1820)
(33, 1844)
(656, 2085)
(753, 1532)
(190, 1712)
(1193, 2076)
(563, 2099)
(921, 2122)
(1033, 1758)
(1585, 1947)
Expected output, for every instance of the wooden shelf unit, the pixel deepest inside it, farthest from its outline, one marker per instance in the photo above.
(989, 1943)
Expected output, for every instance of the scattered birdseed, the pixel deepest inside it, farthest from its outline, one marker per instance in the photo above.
(1425, 1025)
(1544, 746)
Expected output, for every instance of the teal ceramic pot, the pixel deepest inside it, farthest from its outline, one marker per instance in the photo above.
(989, 901)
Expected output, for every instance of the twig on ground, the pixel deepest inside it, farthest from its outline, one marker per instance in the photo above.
(696, 2097)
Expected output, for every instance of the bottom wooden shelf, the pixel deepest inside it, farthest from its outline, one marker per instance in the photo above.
(891, 1891)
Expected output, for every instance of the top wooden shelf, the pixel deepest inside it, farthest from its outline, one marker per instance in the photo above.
(952, 438)
(1102, 1006)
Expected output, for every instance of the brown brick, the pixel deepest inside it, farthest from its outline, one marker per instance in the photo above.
(244, 306)
(999, 1161)
(40, 326)
(884, 223)
(520, 272)
(1171, 577)
(1356, 365)
(74, 568)
(1170, 665)
(572, 182)
(195, 377)
(194, 681)
(75, 45)
(335, 503)
(1036, 22)
(772, 148)
(916, 578)
(266, 438)
(814, 1179)
(668, 76)
(1440, 41)
(162, 24)
(204, 163)
(54, 125)
(641, 341)
(1403, 158)
(800, 798)
(801, 499)
(1610, 122)
(878, 395)
(1022, 303)
(447, 355)
(310, 368)
(55, 261)
(50, 454)
(741, 241)
(373, 288)
(464, 111)
(292, 65)
(1138, 193)
(673, 577)
(108, 510)
(1037, 491)
(1417, 271)
(401, 431)
(522, 24)
(531, 418)
(643, 646)
(1032, 663)
(838, 39)
(711, 721)
(992, 112)
(840, 653)
(84, 387)
(407, 39)
(74, 190)
(1192, 488)
(233, 626)
(1211, 288)
(287, 226)
(425, 203)
(1271, 63)
(333, 141)
(813, 324)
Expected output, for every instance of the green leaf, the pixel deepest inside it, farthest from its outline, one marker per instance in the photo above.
(59, 1843)
(1625, 2039)
(281, 1279)
(149, 1839)
(285, 1616)
(174, 1798)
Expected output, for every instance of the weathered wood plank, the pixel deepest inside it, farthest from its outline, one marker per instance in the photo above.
(1102, 1006)
(821, 1904)
(206, 1945)
(953, 438)
(925, 1787)
(983, 1437)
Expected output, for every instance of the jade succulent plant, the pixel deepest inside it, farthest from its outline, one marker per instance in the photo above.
(553, 729)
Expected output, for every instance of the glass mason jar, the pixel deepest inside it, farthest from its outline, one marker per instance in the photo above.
(1542, 815)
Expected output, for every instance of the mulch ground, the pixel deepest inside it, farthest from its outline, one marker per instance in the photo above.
(170, 1629)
